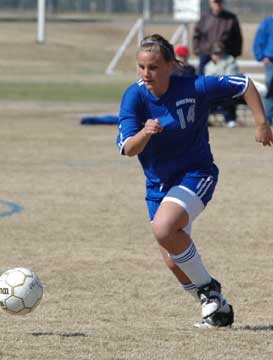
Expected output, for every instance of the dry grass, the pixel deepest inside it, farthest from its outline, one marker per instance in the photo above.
(76, 51)
(85, 230)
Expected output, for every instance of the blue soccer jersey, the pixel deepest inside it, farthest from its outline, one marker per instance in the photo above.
(183, 145)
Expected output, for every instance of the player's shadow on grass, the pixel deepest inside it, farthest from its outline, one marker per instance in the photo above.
(51, 333)
(255, 328)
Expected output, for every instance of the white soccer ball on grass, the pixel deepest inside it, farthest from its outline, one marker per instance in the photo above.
(20, 291)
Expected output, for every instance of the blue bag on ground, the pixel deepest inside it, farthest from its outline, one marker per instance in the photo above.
(100, 119)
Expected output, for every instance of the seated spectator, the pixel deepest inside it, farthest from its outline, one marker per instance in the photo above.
(223, 64)
(182, 54)
(216, 24)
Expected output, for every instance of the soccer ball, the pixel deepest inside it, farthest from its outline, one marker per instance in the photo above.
(20, 291)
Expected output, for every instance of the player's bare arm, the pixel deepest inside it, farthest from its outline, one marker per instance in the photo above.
(263, 131)
(136, 144)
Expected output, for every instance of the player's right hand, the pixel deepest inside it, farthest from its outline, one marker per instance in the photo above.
(152, 126)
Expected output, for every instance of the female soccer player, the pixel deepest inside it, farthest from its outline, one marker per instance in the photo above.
(163, 119)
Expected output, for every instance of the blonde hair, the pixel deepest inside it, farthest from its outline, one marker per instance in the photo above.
(158, 43)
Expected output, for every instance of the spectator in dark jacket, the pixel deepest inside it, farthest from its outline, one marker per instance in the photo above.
(216, 25)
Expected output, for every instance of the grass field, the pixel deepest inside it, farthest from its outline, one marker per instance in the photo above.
(84, 228)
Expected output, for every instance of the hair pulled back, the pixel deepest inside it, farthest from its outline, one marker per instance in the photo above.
(156, 42)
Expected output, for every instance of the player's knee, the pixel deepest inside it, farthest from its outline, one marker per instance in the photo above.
(162, 232)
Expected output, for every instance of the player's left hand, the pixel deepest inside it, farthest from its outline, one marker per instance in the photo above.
(264, 134)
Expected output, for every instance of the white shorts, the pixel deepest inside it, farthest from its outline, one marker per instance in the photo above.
(188, 200)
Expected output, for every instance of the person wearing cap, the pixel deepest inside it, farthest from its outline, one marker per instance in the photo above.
(216, 25)
(182, 54)
(223, 64)
(263, 51)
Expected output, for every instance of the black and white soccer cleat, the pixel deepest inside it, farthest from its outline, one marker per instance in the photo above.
(220, 319)
(210, 297)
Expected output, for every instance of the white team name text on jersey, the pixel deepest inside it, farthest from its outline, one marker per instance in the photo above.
(185, 101)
